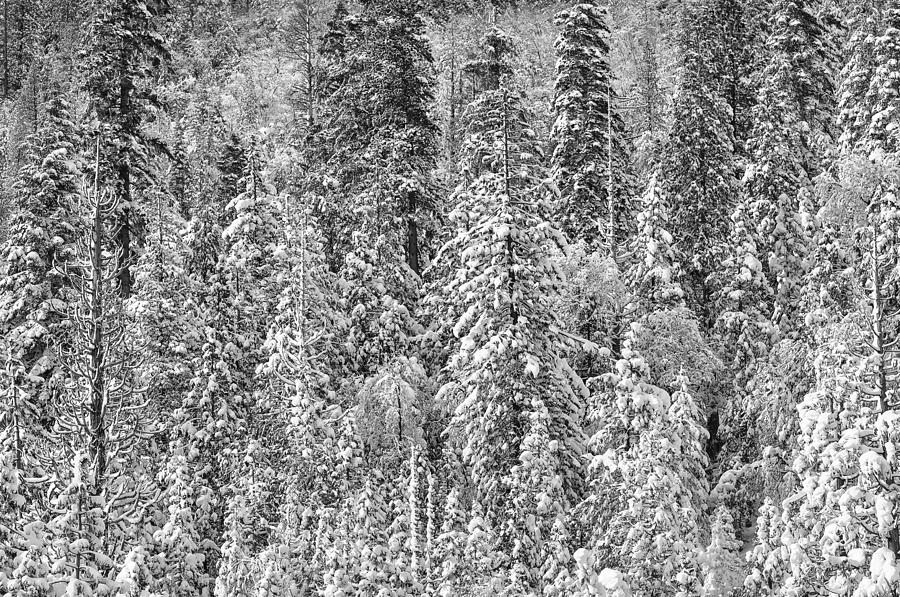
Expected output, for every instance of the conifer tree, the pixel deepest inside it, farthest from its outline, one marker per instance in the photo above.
(97, 486)
(769, 557)
(654, 275)
(648, 485)
(179, 566)
(380, 142)
(792, 105)
(38, 245)
(868, 107)
(509, 348)
(698, 170)
(590, 163)
(449, 560)
(742, 298)
(124, 49)
(720, 560)
(536, 508)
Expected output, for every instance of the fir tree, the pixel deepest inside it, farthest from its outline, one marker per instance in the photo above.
(590, 164)
(698, 172)
(720, 560)
(33, 299)
(868, 93)
(509, 348)
(654, 276)
(124, 49)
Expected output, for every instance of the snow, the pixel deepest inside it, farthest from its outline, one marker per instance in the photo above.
(856, 557)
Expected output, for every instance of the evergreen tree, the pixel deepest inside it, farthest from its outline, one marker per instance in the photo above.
(792, 106)
(379, 145)
(510, 349)
(38, 246)
(654, 275)
(769, 557)
(720, 560)
(179, 570)
(449, 560)
(590, 164)
(868, 93)
(536, 507)
(648, 485)
(124, 48)
(698, 170)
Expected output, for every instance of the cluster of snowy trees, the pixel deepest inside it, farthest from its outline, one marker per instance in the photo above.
(412, 297)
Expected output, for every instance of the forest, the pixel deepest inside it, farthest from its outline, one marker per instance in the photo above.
(450, 298)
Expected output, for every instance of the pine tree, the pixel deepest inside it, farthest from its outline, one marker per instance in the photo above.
(178, 543)
(734, 52)
(698, 171)
(742, 299)
(379, 145)
(10, 502)
(648, 484)
(768, 559)
(654, 275)
(97, 484)
(884, 88)
(450, 565)
(38, 246)
(124, 47)
(590, 164)
(868, 93)
(509, 348)
(792, 105)
(536, 507)
(854, 114)
(721, 562)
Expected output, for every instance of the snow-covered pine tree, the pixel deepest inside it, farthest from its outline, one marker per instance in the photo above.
(379, 144)
(591, 162)
(884, 88)
(375, 294)
(734, 48)
(38, 244)
(854, 115)
(123, 50)
(645, 508)
(868, 105)
(371, 565)
(302, 341)
(770, 558)
(10, 501)
(178, 558)
(742, 297)
(698, 167)
(98, 486)
(793, 106)
(655, 272)
(440, 309)
(536, 508)
(375, 157)
(450, 566)
(510, 346)
(721, 561)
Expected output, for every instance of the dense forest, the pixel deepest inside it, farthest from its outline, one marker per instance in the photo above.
(450, 298)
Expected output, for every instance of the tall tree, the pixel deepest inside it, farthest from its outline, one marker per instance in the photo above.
(698, 168)
(379, 143)
(510, 347)
(33, 285)
(793, 106)
(124, 50)
(868, 105)
(590, 163)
